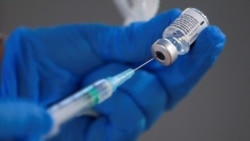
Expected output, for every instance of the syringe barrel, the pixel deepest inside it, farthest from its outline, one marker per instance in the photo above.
(79, 102)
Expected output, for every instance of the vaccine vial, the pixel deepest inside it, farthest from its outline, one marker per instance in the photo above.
(178, 37)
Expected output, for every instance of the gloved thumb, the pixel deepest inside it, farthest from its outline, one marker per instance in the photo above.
(128, 44)
(19, 119)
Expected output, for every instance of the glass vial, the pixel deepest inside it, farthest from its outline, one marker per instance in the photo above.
(178, 37)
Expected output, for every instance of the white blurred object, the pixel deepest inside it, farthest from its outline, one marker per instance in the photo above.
(137, 10)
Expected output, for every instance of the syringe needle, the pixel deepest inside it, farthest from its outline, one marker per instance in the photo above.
(120, 78)
(143, 64)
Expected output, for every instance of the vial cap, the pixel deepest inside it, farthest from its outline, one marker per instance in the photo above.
(164, 51)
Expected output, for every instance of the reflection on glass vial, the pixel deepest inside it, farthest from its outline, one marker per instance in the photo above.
(178, 37)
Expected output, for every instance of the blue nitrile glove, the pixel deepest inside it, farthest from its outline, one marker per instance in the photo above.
(45, 65)
(23, 121)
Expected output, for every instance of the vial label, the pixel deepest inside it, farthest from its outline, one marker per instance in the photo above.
(191, 22)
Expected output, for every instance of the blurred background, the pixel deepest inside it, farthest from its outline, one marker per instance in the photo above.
(217, 109)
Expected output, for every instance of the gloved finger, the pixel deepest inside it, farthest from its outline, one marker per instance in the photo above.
(188, 69)
(42, 65)
(121, 120)
(19, 119)
(148, 93)
(74, 130)
(143, 89)
(125, 43)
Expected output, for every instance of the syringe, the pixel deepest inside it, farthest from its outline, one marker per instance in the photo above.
(88, 97)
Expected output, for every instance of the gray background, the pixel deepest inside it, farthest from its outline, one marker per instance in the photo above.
(218, 109)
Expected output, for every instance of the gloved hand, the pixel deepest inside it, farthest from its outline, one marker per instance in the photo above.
(45, 65)
(22, 120)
